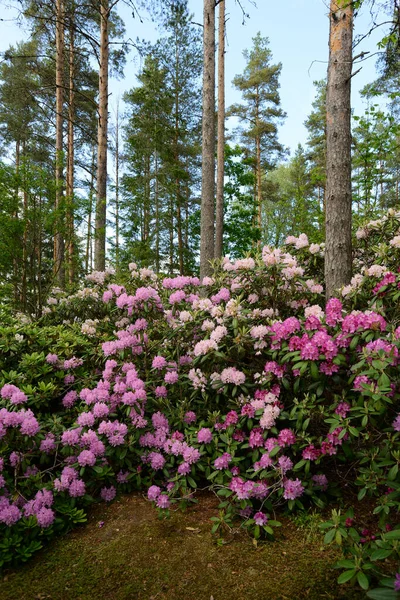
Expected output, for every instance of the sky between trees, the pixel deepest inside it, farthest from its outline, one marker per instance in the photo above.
(301, 44)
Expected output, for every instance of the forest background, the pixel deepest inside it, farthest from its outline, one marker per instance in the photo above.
(50, 215)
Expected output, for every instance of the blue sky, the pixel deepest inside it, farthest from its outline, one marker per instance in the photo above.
(298, 33)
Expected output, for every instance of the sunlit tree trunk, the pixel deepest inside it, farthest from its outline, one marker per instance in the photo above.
(338, 251)
(59, 271)
(219, 212)
(101, 196)
(208, 141)
(70, 153)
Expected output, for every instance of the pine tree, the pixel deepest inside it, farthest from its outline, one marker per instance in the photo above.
(260, 113)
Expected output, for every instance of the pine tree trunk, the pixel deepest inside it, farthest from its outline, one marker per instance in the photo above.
(101, 196)
(259, 196)
(16, 217)
(219, 212)
(338, 252)
(70, 153)
(59, 270)
(88, 260)
(157, 223)
(208, 141)
(117, 189)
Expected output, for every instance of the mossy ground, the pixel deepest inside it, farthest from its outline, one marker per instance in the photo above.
(136, 556)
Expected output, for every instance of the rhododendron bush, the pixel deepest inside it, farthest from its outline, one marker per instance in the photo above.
(246, 383)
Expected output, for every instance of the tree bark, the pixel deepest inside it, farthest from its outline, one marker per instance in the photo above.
(117, 227)
(208, 141)
(59, 270)
(70, 152)
(338, 251)
(101, 196)
(219, 212)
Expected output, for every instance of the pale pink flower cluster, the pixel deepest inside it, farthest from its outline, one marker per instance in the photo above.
(314, 248)
(252, 298)
(232, 308)
(198, 379)
(271, 413)
(375, 270)
(271, 256)
(219, 333)
(291, 272)
(315, 310)
(355, 283)
(89, 327)
(361, 233)
(302, 241)
(232, 375)
(207, 325)
(395, 242)
(204, 346)
(147, 274)
(315, 288)
(244, 263)
(185, 316)
(259, 332)
(98, 277)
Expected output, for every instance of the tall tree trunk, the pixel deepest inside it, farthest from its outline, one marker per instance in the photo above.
(157, 205)
(258, 184)
(171, 236)
(101, 196)
(338, 252)
(178, 199)
(208, 141)
(24, 288)
(117, 188)
(219, 212)
(88, 260)
(59, 270)
(16, 217)
(70, 152)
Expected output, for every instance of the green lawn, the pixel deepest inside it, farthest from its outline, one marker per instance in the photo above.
(134, 555)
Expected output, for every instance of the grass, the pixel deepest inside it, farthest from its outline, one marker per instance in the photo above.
(135, 556)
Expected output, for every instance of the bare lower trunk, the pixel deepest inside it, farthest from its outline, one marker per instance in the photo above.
(59, 271)
(70, 160)
(208, 142)
(117, 189)
(157, 203)
(338, 253)
(101, 196)
(219, 212)
(259, 196)
(88, 259)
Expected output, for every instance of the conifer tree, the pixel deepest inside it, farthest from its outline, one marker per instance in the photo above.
(260, 113)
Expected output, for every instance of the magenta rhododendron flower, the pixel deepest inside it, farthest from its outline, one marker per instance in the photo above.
(260, 518)
(222, 462)
(204, 436)
(108, 493)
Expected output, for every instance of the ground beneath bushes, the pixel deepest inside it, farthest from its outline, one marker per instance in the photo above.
(135, 556)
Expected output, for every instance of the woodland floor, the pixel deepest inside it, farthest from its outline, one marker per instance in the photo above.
(136, 556)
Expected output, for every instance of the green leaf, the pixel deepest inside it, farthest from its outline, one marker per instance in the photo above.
(393, 472)
(380, 554)
(382, 594)
(393, 535)
(346, 576)
(328, 537)
(363, 580)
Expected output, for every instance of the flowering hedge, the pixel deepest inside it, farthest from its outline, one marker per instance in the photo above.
(244, 383)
